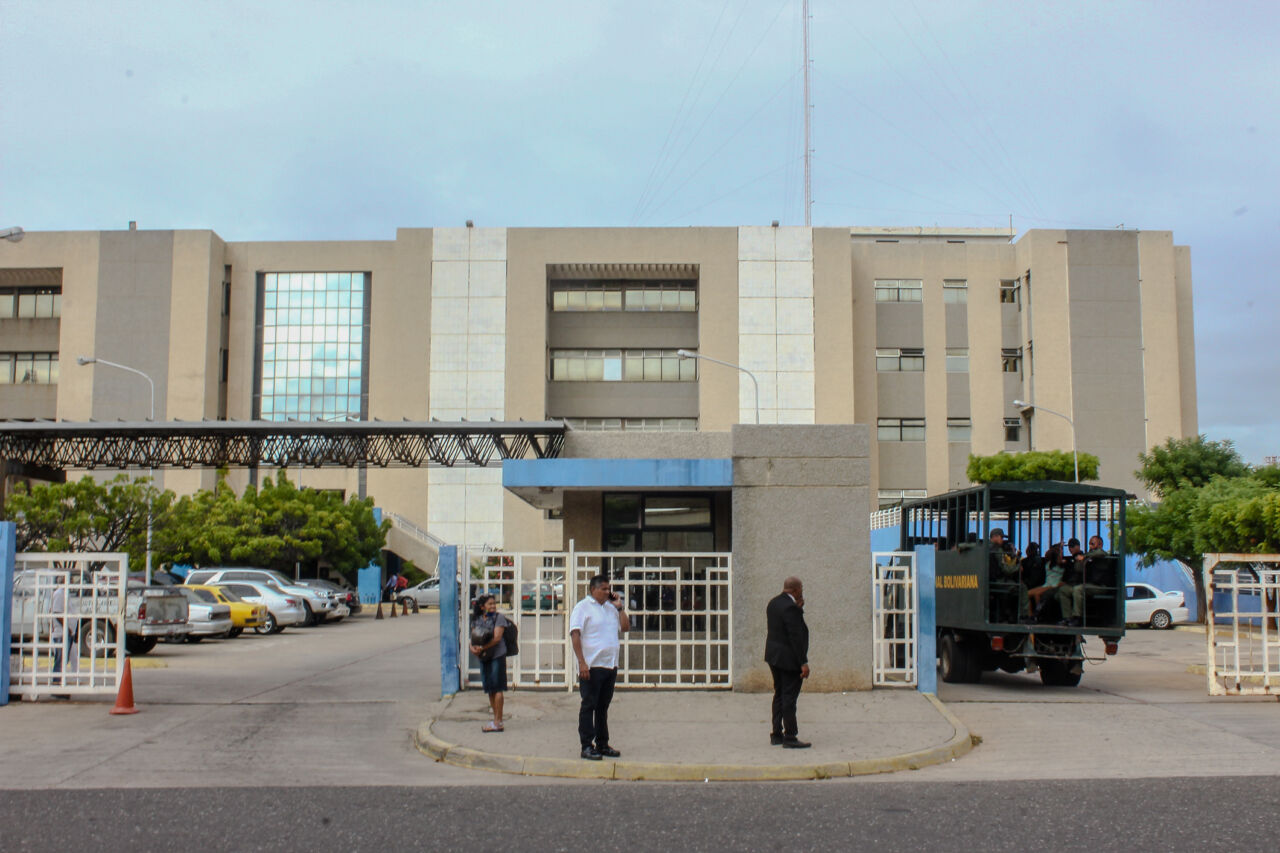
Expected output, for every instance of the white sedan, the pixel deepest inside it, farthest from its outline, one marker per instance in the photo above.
(1146, 605)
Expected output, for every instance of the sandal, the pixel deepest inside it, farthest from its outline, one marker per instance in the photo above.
(492, 727)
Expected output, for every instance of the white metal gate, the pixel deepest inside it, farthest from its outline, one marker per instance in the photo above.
(68, 624)
(1243, 651)
(895, 603)
(679, 605)
(531, 591)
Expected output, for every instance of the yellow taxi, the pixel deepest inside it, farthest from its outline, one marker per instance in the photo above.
(244, 614)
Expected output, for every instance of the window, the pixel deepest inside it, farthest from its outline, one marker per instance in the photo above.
(894, 360)
(957, 359)
(617, 365)
(899, 289)
(634, 424)
(649, 522)
(28, 368)
(223, 364)
(959, 429)
(226, 292)
(1013, 429)
(624, 296)
(1009, 294)
(1011, 360)
(892, 497)
(312, 346)
(1136, 592)
(955, 291)
(29, 303)
(900, 429)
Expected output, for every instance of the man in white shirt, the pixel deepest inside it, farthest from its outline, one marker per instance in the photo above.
(595, 626)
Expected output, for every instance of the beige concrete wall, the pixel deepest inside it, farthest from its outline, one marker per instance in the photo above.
(1048, 322)
(800, 507)
(1186, 341)
(833, 327)
(1160, 349)
(1106, 351)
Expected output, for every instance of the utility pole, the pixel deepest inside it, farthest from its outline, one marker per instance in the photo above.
(808, 114)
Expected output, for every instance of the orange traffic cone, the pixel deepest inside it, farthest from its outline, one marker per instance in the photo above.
(124, 697)
(393, 608)
(405, 603)
(379, 616)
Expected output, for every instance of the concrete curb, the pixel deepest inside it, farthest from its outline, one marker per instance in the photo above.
(429, 744)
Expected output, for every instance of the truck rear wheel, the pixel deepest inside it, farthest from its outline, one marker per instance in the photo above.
(1059, 673)
(138, 645)
(958, 663)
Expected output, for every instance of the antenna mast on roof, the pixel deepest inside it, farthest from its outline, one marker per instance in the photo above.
(808, 114)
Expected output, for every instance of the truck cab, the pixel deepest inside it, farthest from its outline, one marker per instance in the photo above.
(997, 603)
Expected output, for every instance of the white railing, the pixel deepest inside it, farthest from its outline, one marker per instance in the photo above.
(68, 624)
(895, 604)
(679, 605)
(1244, 636)
(423, 535)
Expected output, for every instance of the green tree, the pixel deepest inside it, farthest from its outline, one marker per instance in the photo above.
(1211, 502)
(276, 527)
(1180, 463)
(87, 515)
(1030, 465)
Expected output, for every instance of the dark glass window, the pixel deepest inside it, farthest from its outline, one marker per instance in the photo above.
(641, 522)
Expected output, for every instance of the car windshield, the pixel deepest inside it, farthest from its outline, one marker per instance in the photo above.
(200, 595)
(279, 579)
(228, 596)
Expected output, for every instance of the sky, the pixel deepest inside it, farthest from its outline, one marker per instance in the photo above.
(272, 120)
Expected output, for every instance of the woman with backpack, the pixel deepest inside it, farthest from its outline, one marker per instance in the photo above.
(487, 628)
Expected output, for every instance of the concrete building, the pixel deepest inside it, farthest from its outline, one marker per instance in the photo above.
(927, 336)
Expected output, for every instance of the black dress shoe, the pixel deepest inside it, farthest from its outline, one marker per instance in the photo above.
(589, 753)
(795, 743)
(608, 751)
(776, 740)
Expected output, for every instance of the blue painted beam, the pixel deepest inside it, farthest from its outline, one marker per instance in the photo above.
(926, 622)
(450, 675)
(8, 539)
(617, 473)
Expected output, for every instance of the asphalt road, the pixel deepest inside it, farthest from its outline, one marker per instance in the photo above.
(1201, 814)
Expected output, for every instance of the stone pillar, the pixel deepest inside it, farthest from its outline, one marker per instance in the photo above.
(801, 507)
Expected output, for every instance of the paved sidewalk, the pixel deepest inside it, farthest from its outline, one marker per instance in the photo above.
(676, 735)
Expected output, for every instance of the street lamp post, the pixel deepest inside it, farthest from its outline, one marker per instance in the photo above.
(1023, 404)
(684, 353)
(151, 472)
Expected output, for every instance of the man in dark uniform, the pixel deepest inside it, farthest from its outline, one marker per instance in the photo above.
(786, 650)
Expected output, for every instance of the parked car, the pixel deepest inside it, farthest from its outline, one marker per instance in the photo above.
(283, 609)
(345, 596)
(244, 614)
(150, 613)
(205, 615)
(549, 596)
(1146, 605)
(317, 603)
(425, 594)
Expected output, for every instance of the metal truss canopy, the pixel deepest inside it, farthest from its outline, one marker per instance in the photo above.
(315, 444)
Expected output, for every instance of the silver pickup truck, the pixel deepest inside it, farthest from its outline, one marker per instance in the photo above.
(150, 613)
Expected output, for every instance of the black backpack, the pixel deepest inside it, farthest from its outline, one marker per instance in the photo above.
(511, 636)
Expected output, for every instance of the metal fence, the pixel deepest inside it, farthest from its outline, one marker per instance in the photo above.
(679, 605)
(68, 624)
(895, 604)
(1244, 638)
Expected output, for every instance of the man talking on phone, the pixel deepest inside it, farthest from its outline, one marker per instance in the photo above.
(595, 626)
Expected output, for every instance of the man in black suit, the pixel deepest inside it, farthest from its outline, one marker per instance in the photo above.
(786, 650)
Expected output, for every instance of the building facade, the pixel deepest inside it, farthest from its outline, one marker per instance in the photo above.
(927, 336)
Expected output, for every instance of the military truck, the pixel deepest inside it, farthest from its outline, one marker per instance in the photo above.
(987, 614)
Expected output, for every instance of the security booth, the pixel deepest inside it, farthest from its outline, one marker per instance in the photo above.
(996, 608)
(697, 532)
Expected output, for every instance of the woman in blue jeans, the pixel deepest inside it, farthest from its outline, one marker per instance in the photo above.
(487, 628)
